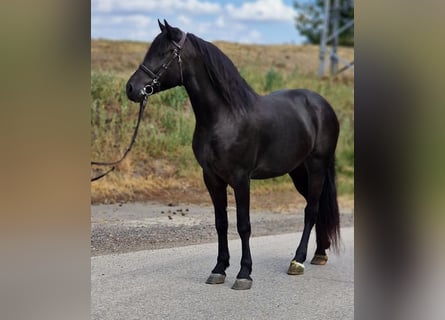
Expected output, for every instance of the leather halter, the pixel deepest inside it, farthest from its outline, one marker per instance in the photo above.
(148, 89)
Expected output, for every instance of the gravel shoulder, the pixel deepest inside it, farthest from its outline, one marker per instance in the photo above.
(119, 228)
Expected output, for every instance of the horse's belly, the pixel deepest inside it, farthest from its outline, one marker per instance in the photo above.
(271, 168)
(260, 174)
(266, 173)
(275, 162)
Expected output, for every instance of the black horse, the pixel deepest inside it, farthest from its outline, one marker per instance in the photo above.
(240, 135)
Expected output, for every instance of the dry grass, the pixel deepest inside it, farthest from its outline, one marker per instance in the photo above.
(123, 57)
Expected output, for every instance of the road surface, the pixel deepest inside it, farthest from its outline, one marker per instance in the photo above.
(170, 283)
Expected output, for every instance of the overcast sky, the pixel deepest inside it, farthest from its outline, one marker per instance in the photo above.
(252, 21)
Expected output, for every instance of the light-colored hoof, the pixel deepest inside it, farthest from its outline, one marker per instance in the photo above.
(242, 284)
(319, 259)
(216, 278)
(295, 268)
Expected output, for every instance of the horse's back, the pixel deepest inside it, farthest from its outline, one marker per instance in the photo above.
(300, 100)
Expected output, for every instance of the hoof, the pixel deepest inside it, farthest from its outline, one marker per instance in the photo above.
(242, 284)
(216, 278)
(295, 268)
(319, 259)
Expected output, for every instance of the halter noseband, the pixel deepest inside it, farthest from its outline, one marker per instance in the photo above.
(148, 89)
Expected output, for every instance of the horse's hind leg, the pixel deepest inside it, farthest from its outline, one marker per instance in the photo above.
(323, 243)
(300, 179)
(218, 192)
(315, 170)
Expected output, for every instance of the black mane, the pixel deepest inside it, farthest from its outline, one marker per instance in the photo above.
(223, 74)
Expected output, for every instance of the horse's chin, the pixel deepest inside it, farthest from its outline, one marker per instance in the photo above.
(136, 98)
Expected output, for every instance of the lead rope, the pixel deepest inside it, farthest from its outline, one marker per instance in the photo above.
(133, 139)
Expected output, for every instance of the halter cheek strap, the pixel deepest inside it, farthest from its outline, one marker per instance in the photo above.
(179, 46)
(148, 89)
(181, 42)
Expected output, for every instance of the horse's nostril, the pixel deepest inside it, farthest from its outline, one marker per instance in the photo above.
(129, 88)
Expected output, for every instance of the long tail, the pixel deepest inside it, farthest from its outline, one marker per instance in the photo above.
(328, 221)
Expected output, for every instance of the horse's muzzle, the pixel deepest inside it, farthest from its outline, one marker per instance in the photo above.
(134, 94)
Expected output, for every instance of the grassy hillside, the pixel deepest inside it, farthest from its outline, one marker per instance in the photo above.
(123, 57)
(161, 163)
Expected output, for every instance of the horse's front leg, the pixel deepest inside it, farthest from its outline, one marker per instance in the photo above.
(242, 198)
(218, 192)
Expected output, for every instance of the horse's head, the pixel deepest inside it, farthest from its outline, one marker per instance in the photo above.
(161, 68)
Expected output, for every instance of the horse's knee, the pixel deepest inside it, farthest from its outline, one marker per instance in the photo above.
(244, 229)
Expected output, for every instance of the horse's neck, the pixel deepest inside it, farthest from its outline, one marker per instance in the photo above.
(207, 104)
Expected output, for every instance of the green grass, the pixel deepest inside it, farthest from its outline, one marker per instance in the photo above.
(167, 128)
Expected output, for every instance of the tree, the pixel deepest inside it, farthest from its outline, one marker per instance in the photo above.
(309, 20)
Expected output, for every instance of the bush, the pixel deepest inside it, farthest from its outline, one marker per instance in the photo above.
(273, 81)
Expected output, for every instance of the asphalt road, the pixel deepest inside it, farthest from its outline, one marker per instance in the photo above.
(170, 283)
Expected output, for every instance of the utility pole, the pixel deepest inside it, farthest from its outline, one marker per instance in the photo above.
(335, 22)
(324, 35)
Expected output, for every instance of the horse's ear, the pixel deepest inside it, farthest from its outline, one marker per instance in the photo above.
(161, 26)
(172, 32)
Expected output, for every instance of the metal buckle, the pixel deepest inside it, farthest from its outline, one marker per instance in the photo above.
(147, 93)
